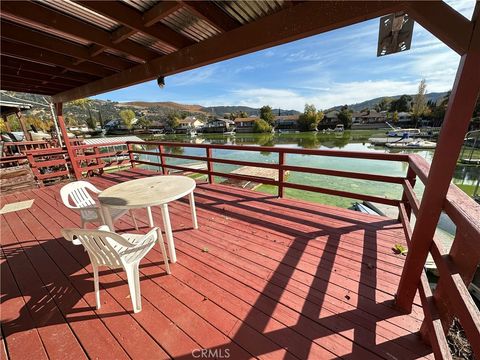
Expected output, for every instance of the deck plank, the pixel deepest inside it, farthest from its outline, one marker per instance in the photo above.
(281, 278)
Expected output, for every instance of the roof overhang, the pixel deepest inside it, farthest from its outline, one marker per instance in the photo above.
(71, 50)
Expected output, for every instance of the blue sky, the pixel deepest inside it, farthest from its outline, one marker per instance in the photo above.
(339, 67)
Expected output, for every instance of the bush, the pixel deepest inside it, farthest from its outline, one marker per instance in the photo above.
(261, 126)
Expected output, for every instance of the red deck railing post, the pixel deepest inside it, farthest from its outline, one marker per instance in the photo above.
(161, 152)
(77, 172)
(459, 112)
(281, 173)
(411, 177)
(211, 178)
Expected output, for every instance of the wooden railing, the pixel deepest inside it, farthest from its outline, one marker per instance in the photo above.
(93, 158)
(21, 147)
(48, 164)
(281, 166)
(456, 267)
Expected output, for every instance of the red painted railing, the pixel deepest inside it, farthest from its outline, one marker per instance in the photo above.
(456, 268)
(48, 164)
(280, 166)
(91, 158)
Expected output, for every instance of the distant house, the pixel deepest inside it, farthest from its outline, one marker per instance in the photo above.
(369, 117)
(188, 124)
(219, 126)
(286, 122)
(330, 118)
(404, 117)
(245, 124)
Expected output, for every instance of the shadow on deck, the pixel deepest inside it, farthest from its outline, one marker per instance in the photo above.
(262, 277)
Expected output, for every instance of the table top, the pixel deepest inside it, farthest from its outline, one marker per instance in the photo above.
(150, 191)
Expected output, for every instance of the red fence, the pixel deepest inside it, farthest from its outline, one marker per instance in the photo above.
(280, 166)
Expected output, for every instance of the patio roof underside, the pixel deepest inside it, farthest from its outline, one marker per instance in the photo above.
(76, 49)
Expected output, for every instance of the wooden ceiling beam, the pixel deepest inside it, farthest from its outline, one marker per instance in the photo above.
(34, 77)
(34, 89)
(122, 33)
(58, 45)
(160, 11)
(444, 22)
(293, 23)
(35, 54)
(26, 82)
(36, 13)
(131, 18)
(19, 65)
(211, 13)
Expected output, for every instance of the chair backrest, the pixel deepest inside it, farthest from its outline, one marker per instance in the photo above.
(99, 244)
(77, 192)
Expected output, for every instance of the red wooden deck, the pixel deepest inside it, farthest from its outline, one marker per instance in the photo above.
(262, 277)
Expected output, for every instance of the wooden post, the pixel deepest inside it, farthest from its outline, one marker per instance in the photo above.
(411, 178)
(130, 155)
(33, 166)
(98, 158)
(23, 125)
(77, 172)
(281, 173)
(459, 112)
(161, 151)
(211, 178)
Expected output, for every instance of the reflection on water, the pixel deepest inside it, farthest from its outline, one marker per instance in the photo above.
(465, 176)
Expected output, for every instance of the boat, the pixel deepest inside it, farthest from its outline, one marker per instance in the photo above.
(404, 133)
(421, 144)
(339, 128)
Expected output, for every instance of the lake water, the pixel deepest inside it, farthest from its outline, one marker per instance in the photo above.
(465, 176)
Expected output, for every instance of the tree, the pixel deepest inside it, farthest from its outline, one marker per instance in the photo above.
(127, 117)
(419, 101)
(173, 119)
(266, 114)
(91, 122)
(100, 120)
(261, 126)
(402, 104)
(345, 117)
(395, 117)
(383, 105)
(143, 122)
(308, 121)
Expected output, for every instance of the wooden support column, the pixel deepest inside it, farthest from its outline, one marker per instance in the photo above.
(7, 124)
(23, 125)
(460, 108)
(71, 152)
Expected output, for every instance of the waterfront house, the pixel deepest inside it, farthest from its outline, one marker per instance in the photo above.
(404, 118)
(219, 125)
(264, 275)
(286, 122)
(188, 124)
(330, 120)
(245, 125)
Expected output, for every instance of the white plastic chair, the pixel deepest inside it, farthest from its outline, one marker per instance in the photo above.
(77, 193)
(106, 248)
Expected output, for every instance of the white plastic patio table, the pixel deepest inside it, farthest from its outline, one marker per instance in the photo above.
(148, 192)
